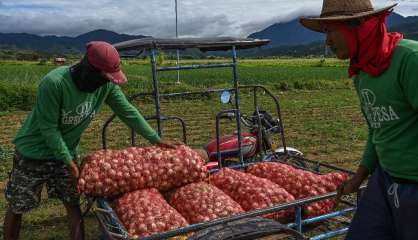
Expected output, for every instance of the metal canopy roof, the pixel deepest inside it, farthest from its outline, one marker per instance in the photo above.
(204, 44)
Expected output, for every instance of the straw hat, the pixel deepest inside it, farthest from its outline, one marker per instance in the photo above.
(341, 10)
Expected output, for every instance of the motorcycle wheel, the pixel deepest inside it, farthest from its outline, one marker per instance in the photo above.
(293, 160)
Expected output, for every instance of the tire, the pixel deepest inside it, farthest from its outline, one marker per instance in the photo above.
(248, 229)
(293, 160)
(296, 161)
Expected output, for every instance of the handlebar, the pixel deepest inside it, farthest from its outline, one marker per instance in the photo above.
(228, 115)
(252, 122)
(247, 121)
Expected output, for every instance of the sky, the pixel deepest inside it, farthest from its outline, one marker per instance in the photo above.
(197, 18)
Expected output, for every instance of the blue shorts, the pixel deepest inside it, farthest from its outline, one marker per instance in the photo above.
(388, 209)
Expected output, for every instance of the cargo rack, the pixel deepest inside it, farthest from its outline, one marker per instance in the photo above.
(110, 225)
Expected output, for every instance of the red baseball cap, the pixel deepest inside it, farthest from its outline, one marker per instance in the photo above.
(105, 58)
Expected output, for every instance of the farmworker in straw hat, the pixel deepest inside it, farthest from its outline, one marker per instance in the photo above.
(47, 144)
(384, 69)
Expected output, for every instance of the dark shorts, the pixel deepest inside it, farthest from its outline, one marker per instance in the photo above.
(27, 178)
(388, 210)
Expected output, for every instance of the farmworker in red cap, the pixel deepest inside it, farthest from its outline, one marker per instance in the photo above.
(47, 143)
(384, 68)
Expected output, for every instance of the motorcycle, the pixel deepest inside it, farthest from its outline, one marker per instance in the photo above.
(256, 143)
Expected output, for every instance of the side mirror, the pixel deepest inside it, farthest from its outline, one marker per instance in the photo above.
(225, 97)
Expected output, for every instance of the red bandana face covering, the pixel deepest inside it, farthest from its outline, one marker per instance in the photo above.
(371, 46)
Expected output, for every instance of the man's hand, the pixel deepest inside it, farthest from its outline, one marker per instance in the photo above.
(353, 184)
(167, 143)
(74, 169)
(350, 186)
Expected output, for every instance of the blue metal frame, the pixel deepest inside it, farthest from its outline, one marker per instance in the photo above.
(237, 105)
(156, 91)
(196, 66)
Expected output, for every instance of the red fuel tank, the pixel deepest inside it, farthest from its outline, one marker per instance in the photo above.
(229, 146)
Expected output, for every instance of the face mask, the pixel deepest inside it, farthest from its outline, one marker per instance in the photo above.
(86, 77)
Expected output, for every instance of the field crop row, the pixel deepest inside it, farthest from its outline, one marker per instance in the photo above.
(18, 82)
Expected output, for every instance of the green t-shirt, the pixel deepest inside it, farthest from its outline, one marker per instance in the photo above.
(61, 113)
(389, 103)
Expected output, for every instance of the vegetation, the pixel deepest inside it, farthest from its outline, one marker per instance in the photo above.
(19, 80)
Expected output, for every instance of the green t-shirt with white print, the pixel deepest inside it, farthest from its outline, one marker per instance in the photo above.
(389, 103)
(61, 113)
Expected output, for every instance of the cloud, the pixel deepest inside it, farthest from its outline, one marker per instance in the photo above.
(156, 17)
(256, 26)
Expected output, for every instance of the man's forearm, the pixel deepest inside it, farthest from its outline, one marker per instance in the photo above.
(361, 174)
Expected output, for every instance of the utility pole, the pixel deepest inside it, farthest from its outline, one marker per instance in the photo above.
(177, 36)
(326, 51)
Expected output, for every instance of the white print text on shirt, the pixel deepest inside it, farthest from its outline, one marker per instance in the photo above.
(376, 115)
(82, 111)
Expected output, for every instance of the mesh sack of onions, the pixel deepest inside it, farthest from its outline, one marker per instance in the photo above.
(145, 212)
(301, 184)
(252, 192)
(108, 173)
(201, 202)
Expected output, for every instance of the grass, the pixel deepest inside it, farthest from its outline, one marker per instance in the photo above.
(325, 124)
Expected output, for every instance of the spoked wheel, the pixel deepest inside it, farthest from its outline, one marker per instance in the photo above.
(248, 229)
(294, 160)
(290, 159)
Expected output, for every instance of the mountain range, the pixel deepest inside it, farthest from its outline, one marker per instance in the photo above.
(286, 38)
(61, 44)
(293, 33)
